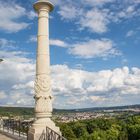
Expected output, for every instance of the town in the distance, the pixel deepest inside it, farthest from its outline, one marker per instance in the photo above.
(72, 115)
(106, 123)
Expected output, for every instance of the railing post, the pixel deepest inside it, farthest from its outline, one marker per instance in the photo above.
(19, 128)
(3, 127)
(52, 135)
(12, 127)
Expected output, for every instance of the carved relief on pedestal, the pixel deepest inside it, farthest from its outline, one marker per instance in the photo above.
(43, 98)
(43, 104)
(42, 85)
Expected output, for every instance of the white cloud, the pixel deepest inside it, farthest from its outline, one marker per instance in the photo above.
(59, 43)
(68, 12)
(97, 2)
(6, 44)
(103, 48)
(95, 20)
(16, 75)
(130, 33)
(106, 87)
(56, 2)
(94, 15)
(29, 84)
(3, 95)
(74, 87)
(32, 38)
(136, 1)
(127, 13)
(70, 86)
(77, 101)
(10, 17)
(53, 42)
(97, 98)
(94, 48)
(31, 15)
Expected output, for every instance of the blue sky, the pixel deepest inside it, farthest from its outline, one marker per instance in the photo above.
(94, 49)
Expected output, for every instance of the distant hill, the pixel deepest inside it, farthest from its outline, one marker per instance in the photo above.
(16, 111)
(98, 108)
(23, 111)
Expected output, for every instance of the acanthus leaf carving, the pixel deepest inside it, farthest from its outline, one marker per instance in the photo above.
(43, 104)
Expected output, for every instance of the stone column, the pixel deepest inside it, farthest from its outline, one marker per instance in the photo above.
(43, 97)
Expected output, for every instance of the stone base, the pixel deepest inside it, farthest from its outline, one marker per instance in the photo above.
(38, 128)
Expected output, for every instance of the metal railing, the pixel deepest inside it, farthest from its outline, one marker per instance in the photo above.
(21, 128)
(51, 135)
(16, 127)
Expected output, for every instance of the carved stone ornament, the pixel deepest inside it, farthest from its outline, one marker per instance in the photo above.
(42, 84)
(43, 104)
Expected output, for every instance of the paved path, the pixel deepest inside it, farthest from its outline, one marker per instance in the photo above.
(3, 137)
(8, 135)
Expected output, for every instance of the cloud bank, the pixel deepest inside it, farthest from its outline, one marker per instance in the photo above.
(76, 88)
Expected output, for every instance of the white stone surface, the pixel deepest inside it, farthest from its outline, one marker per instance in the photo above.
(43, 96)
(3, 137)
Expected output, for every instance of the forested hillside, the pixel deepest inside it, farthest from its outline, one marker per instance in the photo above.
(103, 129)
(16, 111)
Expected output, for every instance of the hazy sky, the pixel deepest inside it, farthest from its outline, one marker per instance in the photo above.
(94, 49)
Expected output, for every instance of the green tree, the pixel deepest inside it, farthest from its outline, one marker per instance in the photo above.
(134, 132)
(98, 135)
(112, 134)
(91, 126)
(79, 130)
(67, 131)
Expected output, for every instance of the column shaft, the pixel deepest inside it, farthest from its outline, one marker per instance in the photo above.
(43, 97)
(42, 85)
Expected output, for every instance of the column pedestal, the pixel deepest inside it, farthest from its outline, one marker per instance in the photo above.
(38, 129)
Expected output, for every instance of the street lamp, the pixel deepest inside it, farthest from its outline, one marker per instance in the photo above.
(1, 60)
